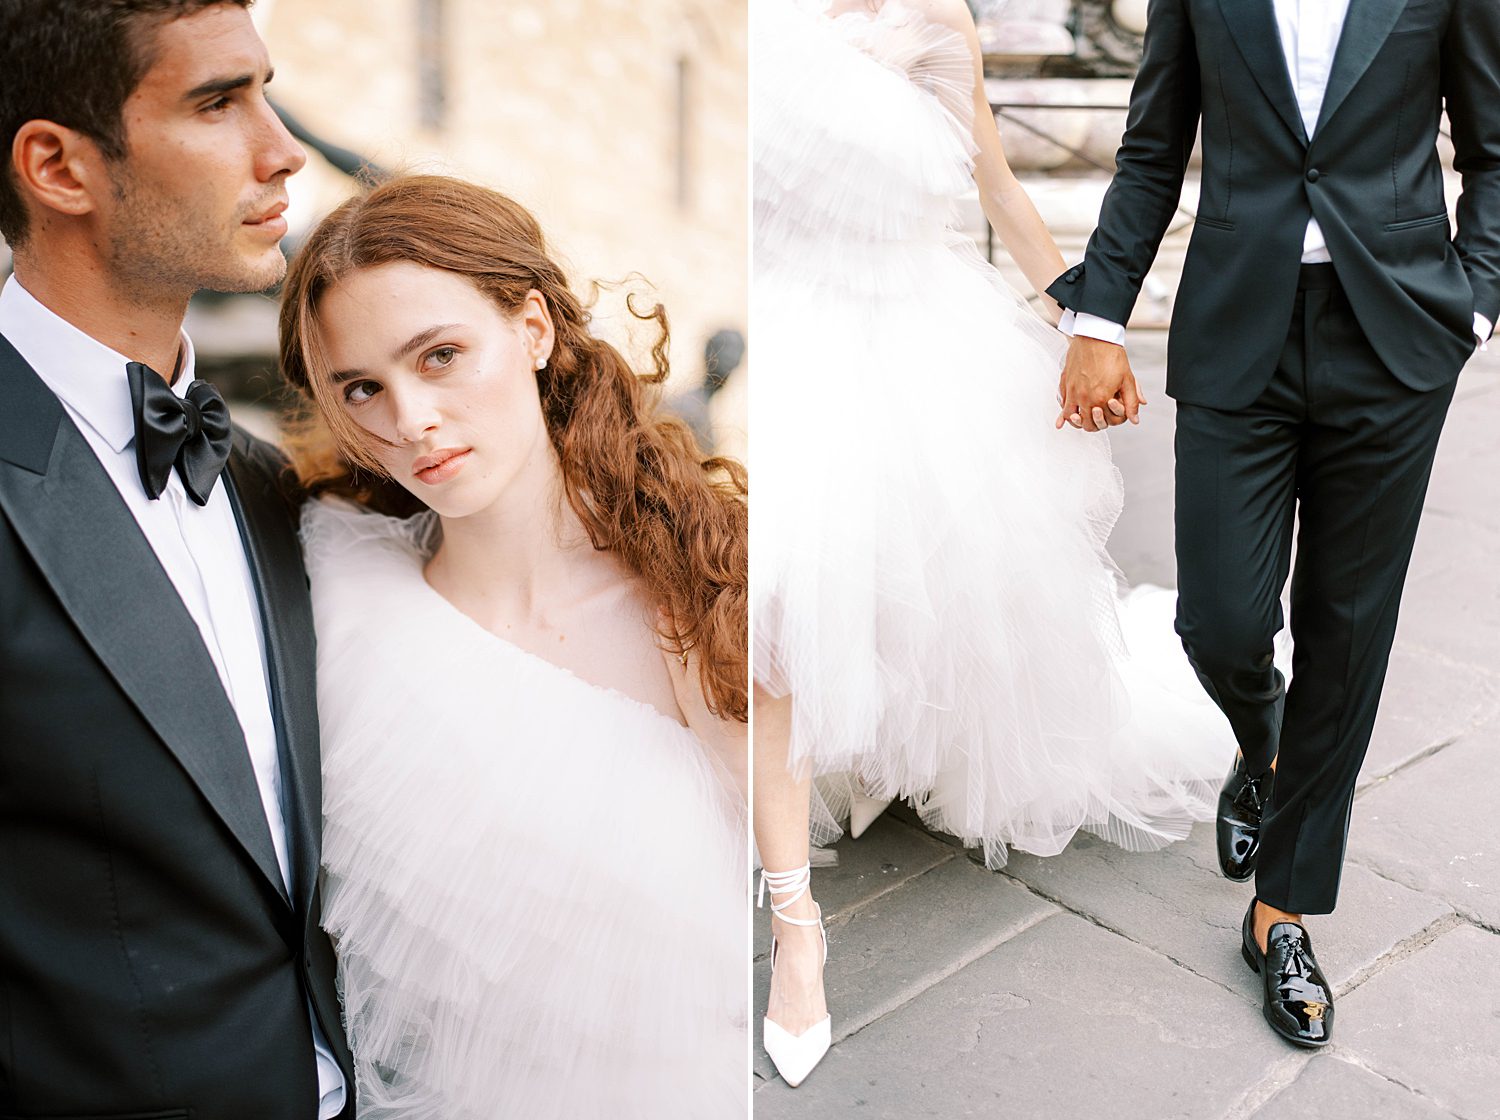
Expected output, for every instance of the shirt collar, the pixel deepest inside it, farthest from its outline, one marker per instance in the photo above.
(86, 375)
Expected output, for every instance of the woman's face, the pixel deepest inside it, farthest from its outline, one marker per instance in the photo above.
(443, 378)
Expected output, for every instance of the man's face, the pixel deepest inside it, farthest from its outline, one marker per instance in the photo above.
(199, 193)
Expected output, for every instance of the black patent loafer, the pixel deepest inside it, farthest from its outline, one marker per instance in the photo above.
(1242, 801)
(1298, 998)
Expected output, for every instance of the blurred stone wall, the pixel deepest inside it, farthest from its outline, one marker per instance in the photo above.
(622, 125)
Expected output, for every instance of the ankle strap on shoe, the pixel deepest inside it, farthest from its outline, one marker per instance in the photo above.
(794, 882)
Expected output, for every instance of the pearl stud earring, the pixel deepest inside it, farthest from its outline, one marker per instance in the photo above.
(541, 364)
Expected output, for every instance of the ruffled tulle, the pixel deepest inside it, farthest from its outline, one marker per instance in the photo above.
(928, 553)
(871, 79)
(535, 884)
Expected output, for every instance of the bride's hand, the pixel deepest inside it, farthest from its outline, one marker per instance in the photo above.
(1098, 388)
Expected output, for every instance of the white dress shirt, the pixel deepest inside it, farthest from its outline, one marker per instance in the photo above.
(1310, 31)
(199, 548)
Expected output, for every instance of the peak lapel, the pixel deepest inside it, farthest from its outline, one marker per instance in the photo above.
(1252, 26)
(1366, 28)
(89, 548)
(286, 620)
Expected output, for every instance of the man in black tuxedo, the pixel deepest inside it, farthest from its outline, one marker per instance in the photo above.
(1322, 320)
(160, 954)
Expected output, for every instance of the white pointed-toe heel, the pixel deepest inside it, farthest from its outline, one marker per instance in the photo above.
(793, 1055)
(864, 810)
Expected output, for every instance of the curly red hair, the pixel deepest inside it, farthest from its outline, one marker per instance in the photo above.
(635, 477)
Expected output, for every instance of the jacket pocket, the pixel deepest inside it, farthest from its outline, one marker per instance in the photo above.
(1413, 223)
(1214, 223)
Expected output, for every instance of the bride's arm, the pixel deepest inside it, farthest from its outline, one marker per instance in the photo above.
(728, 740)
(1005, 202)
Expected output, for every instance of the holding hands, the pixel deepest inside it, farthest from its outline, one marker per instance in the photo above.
(1097, 389)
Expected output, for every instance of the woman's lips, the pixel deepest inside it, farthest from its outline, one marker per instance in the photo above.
(440, 466)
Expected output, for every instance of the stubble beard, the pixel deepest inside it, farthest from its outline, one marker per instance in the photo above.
(170, 252)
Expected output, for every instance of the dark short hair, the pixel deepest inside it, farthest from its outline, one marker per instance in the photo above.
(74, 62)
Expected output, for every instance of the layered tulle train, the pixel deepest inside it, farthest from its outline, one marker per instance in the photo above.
(536, 885)
(931, 585)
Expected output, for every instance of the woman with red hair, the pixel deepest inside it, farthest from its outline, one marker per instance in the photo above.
(532, 688)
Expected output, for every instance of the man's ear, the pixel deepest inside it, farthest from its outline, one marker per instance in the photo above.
(58, 168)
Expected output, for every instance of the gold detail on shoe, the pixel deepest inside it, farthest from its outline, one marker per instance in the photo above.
(1315, 1011)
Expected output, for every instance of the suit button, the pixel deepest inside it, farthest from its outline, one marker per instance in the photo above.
(1071, 278)
(1312, 175)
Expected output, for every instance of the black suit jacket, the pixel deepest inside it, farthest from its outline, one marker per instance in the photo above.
(151, 962)
(1371, 175)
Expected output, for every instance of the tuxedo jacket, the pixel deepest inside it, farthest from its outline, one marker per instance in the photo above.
(152, 964)
(1370, 175)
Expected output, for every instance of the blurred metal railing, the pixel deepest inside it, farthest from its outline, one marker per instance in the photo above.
(1006, 110)
(350, 162)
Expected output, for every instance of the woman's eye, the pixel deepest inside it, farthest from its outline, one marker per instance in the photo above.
(360, 391)
(440, 357)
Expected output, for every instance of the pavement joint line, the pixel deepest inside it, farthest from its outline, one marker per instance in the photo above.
(1403, 949)
(1447, 661)
(1353, 1058)
(1281, 1076)
(1463, 914)
(1107, 928)
(978, 858)
(1406, 764)
(932, 980)
(1481, 926)
(842, 917)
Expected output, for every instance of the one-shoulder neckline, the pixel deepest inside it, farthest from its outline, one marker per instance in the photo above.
(520, 651)
(403, 532)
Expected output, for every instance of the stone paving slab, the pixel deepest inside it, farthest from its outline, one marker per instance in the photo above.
(1055, 1021)
(1176, 902)
(1464, 476)
(1451, 604)
(1431, 1022)
(890, 852)
(905, 942)
(1063, 1020)
(1436, 827)
(1329, 1087)
(1427, 702)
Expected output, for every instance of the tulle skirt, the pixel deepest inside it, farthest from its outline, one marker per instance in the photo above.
(931, 585)
(536, 885)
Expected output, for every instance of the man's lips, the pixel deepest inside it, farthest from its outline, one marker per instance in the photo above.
(440, 466)
(270, 220)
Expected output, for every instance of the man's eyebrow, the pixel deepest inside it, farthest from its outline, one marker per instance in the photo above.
(225, 85)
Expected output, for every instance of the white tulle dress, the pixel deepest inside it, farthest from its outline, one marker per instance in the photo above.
(930, 581)
(535, 884)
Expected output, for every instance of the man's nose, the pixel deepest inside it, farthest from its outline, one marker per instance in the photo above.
(279, 153)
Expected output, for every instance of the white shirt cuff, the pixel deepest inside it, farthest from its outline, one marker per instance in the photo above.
(1091, 326)
(1483, 328)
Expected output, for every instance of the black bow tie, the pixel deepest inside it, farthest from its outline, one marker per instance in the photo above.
(192, 435)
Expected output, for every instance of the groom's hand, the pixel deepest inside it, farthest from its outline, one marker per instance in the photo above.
(1097, 389)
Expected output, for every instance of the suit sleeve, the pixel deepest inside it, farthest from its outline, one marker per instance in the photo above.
(1160, 130)
(1471, 91)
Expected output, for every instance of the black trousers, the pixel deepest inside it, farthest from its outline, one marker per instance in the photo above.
(1339, 441)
